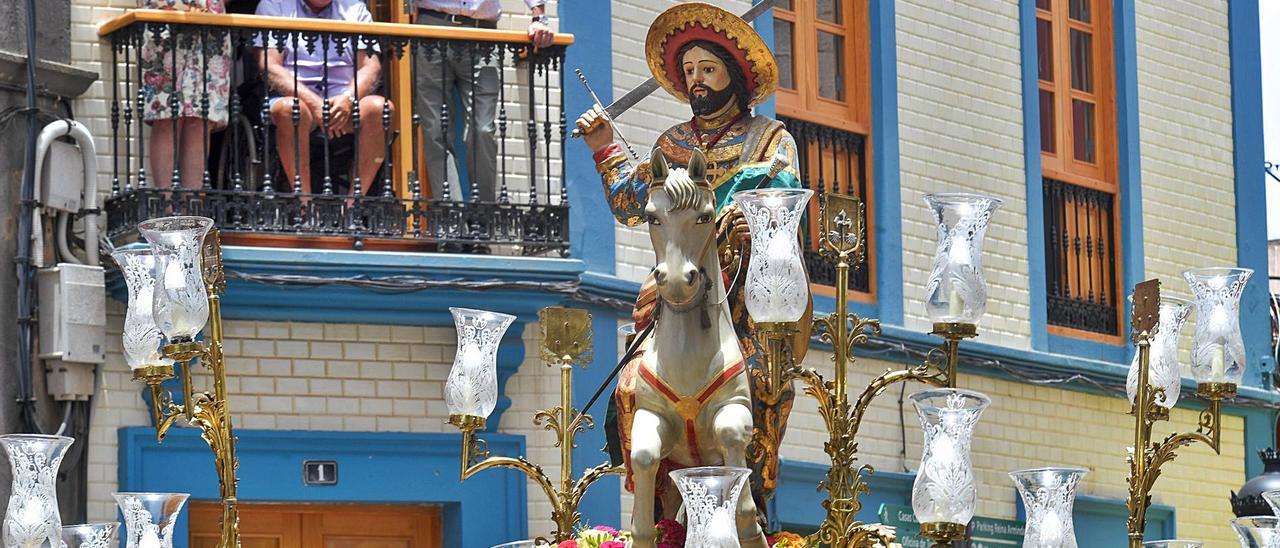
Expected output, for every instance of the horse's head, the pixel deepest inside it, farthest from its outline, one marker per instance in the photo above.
(681, 216)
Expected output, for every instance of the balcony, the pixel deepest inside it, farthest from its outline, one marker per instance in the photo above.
(250, 176)
(831, 160)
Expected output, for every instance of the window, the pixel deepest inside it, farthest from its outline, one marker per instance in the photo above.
(822, 48)
(1078, 158)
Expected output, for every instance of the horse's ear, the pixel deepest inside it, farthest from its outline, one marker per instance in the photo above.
(658, 165)
(698, 166)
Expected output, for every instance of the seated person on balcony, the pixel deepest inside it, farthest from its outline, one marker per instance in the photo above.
(348, 81)
(474, 76)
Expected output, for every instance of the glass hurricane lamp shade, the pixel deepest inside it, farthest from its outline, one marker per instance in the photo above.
(1163, 369)
(1217, 348)
(141, 338)
(1049, 495)
(149, 517)
(710, 496)
(181, 302)
(1175, 543)
(1257, 531)
(472, 387)
(31, 519)
(944, 490)
(91, 535)
(777, 286)
(1273, 500)
(957, 290)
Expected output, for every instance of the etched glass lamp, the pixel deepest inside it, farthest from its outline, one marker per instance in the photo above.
(1272, 499)
(91, 535)
(1217, 351)
(1257, 531)
(944, 493)
(31, 519)
(710, 501)
(1049, 496)
(149, 518)
(1164, 371)
(777, 286)
(471, 391)
(181, 304)
(141, 338)
(957, 290)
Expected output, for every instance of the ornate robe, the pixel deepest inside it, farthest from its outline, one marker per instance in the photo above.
(742, 159)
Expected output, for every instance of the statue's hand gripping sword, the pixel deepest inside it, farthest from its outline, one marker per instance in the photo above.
(608, 117)
(628, 100)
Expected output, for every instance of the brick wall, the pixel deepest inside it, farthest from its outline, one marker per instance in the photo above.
(1184, 106)
(960, 123)
(293, 376)
(1184, 100)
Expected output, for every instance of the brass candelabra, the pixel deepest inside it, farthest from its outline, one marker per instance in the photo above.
(1146, 457)
(842, 240)
(566, 342)
(205, 410)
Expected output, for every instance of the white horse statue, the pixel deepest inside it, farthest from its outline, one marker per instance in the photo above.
(684, 400)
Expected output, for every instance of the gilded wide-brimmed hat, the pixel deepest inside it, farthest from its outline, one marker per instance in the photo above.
(691, 21)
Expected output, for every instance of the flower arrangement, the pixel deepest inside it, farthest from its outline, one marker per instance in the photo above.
(783, 539)
(600, 536)
(671, 534)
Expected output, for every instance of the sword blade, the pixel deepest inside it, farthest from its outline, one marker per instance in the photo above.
(649, 86)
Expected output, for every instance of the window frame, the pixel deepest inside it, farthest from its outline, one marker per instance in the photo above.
(1061, 164)
(853, 115)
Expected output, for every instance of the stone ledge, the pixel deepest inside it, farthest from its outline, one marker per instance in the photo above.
(53, 78)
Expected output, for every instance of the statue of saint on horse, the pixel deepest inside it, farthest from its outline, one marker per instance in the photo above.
(675, 406)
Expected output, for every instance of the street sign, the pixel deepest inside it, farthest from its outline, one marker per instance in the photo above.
(983, 532)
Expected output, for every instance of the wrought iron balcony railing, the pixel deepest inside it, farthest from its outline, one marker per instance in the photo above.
(831, 160)
(1080, 251)
(369, 178)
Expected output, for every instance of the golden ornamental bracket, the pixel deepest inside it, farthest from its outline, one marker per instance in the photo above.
(842, 240)
(566, 341)
(1145, 458)
(207, 411)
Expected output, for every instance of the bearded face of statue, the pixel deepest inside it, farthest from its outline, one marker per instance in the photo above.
(708, 80)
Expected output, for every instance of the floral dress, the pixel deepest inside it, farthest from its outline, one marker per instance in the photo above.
(200, 66)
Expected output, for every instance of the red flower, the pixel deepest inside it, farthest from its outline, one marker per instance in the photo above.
(568, 544)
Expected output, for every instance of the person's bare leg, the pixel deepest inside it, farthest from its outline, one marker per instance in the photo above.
(372, 140)
(282, 117)
(161, 150)
(195, 141)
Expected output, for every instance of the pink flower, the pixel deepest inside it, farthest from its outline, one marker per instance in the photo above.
(670, 533)
(612, 532)
(568, 544)
(613, 544)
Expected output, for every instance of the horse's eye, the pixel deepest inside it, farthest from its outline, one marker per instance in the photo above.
(652, 219)
(704, 219)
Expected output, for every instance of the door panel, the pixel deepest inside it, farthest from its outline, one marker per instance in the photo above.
(322, 525)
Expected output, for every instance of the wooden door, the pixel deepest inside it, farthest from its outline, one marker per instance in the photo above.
(322, 526)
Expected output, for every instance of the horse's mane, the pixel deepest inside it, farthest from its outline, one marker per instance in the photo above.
(684, 192)
(686, 187)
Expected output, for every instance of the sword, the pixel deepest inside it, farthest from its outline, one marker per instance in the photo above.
(609, 119)
(629, 99)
